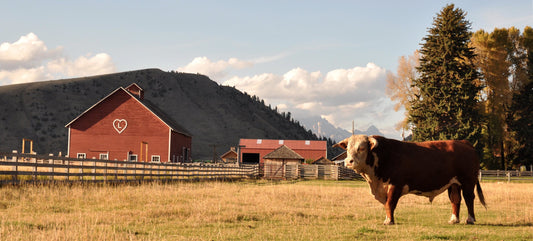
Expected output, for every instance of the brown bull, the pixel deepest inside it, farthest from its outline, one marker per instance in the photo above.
(395, 168)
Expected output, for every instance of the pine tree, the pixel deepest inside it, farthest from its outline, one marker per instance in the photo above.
(447, 104)
(521, 121)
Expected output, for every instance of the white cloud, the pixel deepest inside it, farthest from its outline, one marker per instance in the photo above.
(215, 70)
(83, 66)
(339, 96)
(20, 76)
(28, 59)
(26, 52)
(342, 95)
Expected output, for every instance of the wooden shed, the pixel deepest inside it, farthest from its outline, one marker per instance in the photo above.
(323, 161)
(230, 156)
(125, 126)
(339, 159)
(282, 163)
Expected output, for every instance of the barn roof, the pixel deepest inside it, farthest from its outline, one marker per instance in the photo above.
(283, 152)
(293, 144)
(230, 152)
(161, 115)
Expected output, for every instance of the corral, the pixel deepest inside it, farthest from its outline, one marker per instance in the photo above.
(251, 210)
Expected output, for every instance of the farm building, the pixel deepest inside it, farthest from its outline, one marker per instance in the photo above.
(253, 151)
(125, 126)
(339, 159)
(322, 161)
(230, 156)
(282, 163)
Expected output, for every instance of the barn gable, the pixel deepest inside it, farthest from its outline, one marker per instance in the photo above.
(137, 95)
(124, 126)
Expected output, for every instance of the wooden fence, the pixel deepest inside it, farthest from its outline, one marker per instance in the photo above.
(303, 171)
(507, 176)
(17, 168)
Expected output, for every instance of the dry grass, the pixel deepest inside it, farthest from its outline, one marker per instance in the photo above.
(310, 210)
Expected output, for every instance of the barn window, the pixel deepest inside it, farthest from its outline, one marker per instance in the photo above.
(104, 156)
(82, 155)
(133, 158)
(156, 158)
(259, 141)
(280, 142)
(307, 143)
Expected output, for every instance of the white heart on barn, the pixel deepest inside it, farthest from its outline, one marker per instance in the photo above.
(120, 125)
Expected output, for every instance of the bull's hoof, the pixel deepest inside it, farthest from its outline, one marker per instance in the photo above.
(470, 220)
(388, 222)
(454, 219)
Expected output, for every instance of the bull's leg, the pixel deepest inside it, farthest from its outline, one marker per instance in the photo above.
(393, 195)
(468, 194)
(454, 193)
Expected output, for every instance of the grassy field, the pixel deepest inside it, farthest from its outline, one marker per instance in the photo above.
(253, 210)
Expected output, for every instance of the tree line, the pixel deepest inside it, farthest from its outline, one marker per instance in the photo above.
(475, 86)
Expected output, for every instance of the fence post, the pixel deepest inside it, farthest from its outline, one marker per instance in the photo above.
(68, 168)
(508, 176)
(105, 173)
(51, 169)
(81, 169)
(15, 168)
(94, 169)
(34, 160)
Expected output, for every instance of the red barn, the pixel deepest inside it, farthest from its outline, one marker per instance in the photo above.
(254, 150)
(125, 126)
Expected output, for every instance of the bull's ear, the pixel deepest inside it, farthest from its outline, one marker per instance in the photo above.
(343, 144)
(373, 142)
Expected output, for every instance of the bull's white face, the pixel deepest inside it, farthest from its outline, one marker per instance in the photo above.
(357, 149)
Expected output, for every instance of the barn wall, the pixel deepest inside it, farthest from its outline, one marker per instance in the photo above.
(306, 154)
(94, 132)
(179, 142)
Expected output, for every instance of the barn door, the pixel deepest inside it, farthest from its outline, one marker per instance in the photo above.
(144, 150)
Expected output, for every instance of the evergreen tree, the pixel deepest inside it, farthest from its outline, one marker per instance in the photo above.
(446, 106)
(521, 121)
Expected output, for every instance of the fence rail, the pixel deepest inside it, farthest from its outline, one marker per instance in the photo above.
(16, 168)
(508, 176)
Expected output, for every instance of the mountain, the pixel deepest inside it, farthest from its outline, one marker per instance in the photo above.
(216, 116)
(321, 127)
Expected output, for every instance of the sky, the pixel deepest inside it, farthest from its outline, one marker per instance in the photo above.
(310, 58)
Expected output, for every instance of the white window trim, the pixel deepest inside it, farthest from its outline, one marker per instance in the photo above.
(158, 157)
(133, 155)
(83, 156)
(106, 155)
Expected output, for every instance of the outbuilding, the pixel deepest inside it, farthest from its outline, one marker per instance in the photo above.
(252, 151)
(125, 126)
(282, 163)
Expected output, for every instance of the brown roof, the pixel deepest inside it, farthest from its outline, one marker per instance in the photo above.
(323, 161)
(230, 152)
(283, 152)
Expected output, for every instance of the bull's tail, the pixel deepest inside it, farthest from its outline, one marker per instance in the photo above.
(480, 194)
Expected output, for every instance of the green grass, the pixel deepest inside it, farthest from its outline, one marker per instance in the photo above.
(258, 210)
